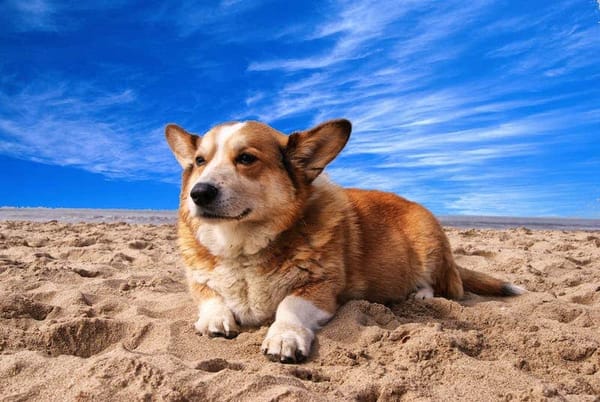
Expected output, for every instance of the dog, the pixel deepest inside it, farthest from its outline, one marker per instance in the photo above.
(264, 235)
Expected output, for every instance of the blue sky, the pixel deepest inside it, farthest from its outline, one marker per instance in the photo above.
(469, 107)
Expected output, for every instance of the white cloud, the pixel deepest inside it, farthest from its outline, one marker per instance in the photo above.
(76, 125)
(189, 17)
(355, 24)
(498, 203)
(462, 157)
(529, 200)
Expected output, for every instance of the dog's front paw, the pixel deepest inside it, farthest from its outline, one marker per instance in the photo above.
(287, 343)
(215, 319)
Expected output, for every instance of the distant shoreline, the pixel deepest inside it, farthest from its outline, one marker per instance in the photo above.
(157, 217)
(501, 222)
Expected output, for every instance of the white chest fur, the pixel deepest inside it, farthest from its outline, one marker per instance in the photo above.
(232, 240)
(248, 291)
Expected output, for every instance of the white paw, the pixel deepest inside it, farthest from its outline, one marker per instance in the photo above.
(424, 293)
(287, 342)
(215, 319)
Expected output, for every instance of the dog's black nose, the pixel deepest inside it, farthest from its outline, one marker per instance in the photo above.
(203, 194)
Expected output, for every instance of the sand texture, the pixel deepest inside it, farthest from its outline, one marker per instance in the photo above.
(98, 311)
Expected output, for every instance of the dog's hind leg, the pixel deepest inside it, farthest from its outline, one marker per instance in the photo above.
(445, 278)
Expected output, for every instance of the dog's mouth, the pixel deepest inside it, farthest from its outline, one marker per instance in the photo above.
(210, 215)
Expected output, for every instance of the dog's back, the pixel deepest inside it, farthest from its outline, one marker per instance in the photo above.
(402, 248)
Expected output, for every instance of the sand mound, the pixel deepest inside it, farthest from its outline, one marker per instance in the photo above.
(101, 311)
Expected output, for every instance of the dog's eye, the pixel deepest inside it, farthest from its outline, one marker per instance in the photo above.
(246, 159)
(200, 161)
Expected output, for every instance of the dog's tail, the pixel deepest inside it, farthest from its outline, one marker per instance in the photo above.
(486, 285)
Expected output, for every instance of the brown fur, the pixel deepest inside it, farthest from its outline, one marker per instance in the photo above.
(328, 244)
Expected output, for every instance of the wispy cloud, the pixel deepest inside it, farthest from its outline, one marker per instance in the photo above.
(354, 26)
(71, 124)
(502, 202)
(189, 17)
(461, 157)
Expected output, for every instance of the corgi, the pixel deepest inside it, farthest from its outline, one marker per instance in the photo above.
(267, 238)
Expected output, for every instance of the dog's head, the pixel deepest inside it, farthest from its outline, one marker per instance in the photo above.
(249, 172)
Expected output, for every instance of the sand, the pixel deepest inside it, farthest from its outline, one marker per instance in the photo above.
(100, 311)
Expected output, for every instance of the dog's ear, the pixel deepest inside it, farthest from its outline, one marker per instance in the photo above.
(182, 143)
(313, 149)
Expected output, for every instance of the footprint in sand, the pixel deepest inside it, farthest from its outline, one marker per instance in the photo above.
(83, 337)
(18, 306)
(308, 374)
(83, 242)
(218, 364)
(140, 245)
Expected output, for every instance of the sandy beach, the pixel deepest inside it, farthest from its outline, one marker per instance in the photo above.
(100, 311)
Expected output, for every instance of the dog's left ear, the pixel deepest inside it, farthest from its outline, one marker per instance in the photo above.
(182, 143)
(313, 149)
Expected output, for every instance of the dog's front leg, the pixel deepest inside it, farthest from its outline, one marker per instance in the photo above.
(297, 318)
(214, 317)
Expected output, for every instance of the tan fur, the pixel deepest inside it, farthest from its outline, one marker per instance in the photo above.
(305, 236)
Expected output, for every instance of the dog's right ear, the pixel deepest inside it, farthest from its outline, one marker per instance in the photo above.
(182, 143)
